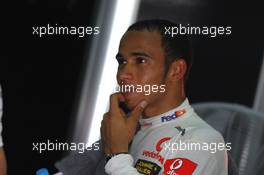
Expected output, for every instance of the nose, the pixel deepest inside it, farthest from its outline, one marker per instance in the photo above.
(125, 74)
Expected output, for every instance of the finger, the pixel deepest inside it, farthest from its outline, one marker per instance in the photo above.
(134, 116)
(103, 139)
(114, 102)
(105, 116)
(102, 132)
(102, 129)
(104, 119)
(122, 112)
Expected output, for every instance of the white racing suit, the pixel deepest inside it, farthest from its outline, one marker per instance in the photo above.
(177, 142)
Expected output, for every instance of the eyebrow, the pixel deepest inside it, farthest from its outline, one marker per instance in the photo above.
(119, 55)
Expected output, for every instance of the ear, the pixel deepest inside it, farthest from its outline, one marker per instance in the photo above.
(177, 70)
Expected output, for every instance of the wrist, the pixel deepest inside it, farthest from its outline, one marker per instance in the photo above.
(120, 148)
(109, 156)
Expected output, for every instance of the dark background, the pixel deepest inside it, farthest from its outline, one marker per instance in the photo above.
(39, 76)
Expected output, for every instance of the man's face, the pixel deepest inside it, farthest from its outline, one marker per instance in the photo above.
(141, 62)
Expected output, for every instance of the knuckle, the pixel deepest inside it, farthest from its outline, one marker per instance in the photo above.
(105, 117)
(111, 96)
(114, 95)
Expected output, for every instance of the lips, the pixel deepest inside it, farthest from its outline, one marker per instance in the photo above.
(128, 95)
(131, 100)
(128, 90)
(131, 97)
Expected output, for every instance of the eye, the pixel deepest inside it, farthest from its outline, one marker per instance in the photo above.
(141, 60)
(121, 61)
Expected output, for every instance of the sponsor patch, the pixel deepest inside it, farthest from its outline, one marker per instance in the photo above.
(173, 116)
(179, 166)
(155, 154)
(158, 145)
(147, 167)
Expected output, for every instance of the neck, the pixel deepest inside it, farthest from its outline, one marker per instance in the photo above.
(162, 107)
(172, 98)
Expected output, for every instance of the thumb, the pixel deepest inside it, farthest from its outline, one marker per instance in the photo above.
(134, 116)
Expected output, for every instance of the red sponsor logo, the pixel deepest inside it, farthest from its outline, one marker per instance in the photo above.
(180, 112)
(179, 166)
(158, 145)
(154, 154)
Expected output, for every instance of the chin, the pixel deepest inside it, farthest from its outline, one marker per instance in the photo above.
(132, 102)
(130, 105)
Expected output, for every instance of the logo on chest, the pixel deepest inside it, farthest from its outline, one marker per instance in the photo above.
(147, 167)
(173, 116)
(155, 154)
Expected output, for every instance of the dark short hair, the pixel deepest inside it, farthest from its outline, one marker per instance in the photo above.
(176, 47)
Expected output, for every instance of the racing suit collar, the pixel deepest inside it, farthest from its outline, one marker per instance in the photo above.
(171, 116)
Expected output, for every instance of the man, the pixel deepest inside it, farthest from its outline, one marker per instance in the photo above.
(149, 57)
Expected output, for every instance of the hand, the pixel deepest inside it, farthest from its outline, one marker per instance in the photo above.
(118, 130)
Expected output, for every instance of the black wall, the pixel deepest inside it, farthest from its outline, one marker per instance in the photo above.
(39, 77)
